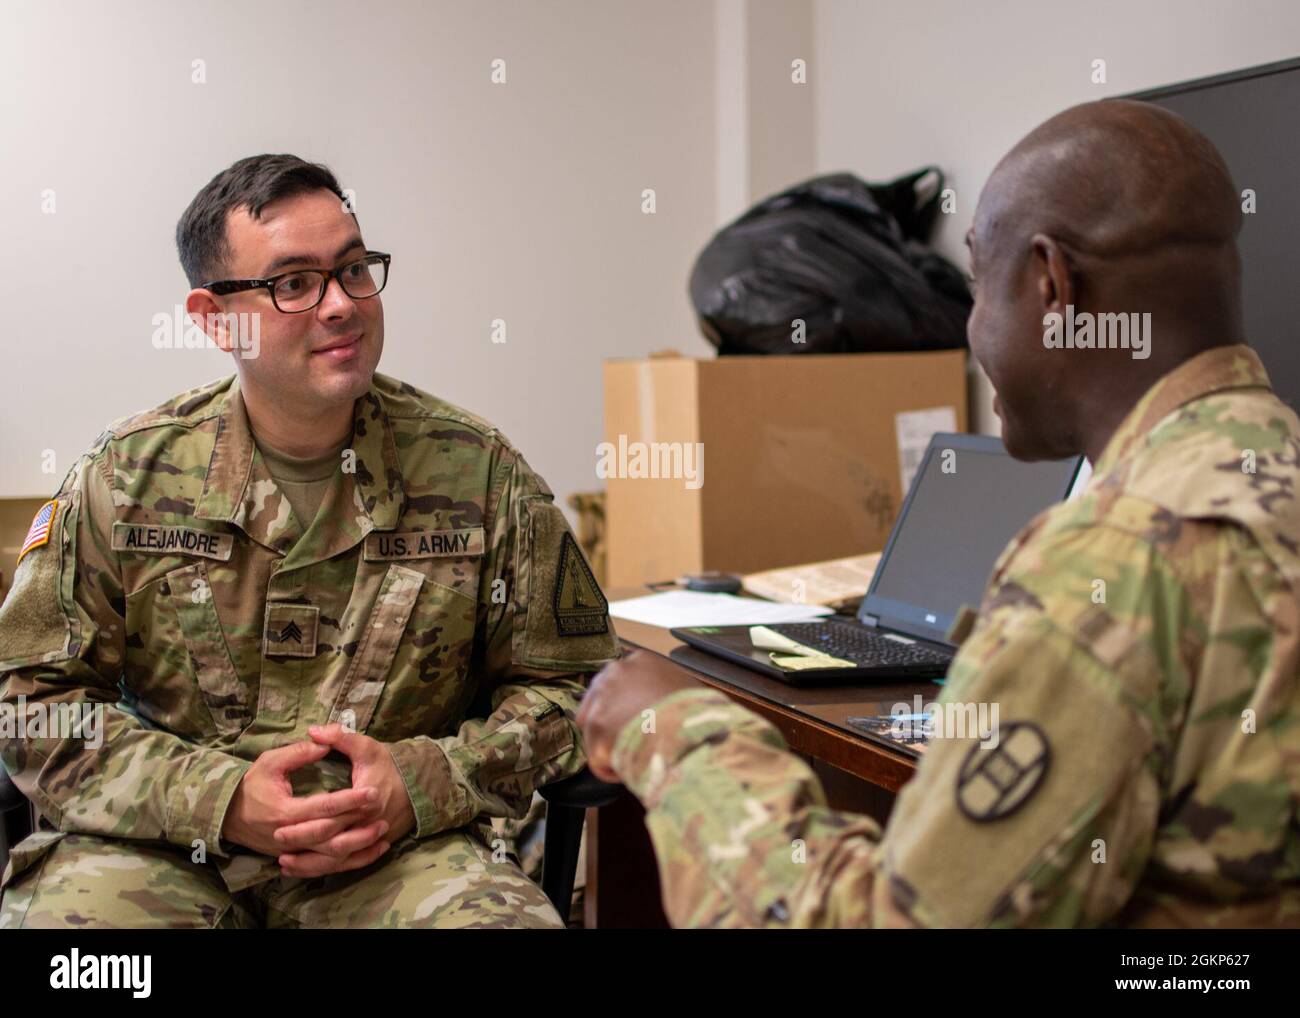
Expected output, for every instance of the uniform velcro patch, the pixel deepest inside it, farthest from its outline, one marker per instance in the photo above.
(290, 630)
(415, 544)
(162, 540)
(39, 532)
(996, 782)
(580, 607)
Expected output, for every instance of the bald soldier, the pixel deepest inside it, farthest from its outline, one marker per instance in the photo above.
(328, 625)
(1142, 642)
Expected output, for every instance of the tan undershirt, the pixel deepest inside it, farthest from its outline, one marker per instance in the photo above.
(303, 481)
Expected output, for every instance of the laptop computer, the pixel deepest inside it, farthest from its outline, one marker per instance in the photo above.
(966, 502)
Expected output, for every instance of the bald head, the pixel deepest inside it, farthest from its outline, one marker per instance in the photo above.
(1109, 208)
(1114, 178)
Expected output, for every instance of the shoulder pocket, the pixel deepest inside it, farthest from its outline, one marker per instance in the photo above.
(38, 620)
(561, 615)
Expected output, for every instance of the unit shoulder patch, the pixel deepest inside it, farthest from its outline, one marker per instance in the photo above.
(580, 608)
(995, 782)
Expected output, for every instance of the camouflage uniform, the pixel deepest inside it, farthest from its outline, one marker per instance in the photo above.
(1148, 768)
(437, 603)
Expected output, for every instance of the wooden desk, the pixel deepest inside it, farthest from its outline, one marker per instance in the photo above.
(856, 772)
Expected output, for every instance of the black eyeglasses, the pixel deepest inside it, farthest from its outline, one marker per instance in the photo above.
(302, 289)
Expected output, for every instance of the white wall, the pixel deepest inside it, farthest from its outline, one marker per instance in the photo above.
(519, 201)
(765, 117)
(958, 83)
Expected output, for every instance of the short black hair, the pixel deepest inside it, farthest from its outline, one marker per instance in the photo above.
(252, 183)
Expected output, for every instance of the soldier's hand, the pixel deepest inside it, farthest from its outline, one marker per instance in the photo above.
(264, 801)
(317, 864)
(619, 692)
(373, 767)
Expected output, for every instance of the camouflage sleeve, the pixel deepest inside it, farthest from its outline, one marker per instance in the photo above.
(1035, 804)
(1077, 671)
(740, 825)
(88, 765)
(542, 618)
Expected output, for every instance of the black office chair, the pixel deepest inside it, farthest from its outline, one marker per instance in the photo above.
(566, 808)
(567, 803)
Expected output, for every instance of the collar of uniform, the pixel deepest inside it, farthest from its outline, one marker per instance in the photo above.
(378, 475)
(1214, 370)
(238, 486)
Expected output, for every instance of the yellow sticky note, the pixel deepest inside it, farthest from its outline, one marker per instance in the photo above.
(802, 662)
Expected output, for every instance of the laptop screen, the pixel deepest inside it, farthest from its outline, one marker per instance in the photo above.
(967, 501)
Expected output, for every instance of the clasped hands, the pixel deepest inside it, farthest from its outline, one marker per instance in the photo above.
(329, 832)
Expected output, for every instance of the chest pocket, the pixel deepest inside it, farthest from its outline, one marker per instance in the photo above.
(189, 593)
(364, 681)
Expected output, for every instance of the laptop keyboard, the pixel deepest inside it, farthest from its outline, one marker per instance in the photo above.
(861, 646)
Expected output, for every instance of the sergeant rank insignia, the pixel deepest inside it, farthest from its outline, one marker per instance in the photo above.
(580, 607)
(290, 630)
(996, 782)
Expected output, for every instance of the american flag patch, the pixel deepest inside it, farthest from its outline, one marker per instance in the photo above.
(39, 533)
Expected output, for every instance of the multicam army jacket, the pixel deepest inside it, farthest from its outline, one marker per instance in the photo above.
(437, 602)
(1142, 643)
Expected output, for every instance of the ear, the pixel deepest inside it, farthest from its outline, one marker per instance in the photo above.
(208, 315)
(1054, 275)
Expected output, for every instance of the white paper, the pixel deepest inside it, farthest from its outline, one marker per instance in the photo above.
(914, 429)
(678, 608)
(1081, 480)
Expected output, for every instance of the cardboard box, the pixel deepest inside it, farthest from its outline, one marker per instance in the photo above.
(800, 461)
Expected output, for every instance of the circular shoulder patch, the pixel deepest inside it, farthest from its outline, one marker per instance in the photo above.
(996, 781)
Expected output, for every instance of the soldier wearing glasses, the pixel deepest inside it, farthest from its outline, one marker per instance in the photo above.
(326, 615)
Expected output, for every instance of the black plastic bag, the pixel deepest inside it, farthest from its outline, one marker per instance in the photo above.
(849, 259)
